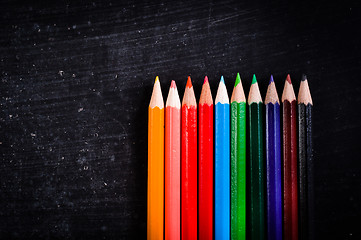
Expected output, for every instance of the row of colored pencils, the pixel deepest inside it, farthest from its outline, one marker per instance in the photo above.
(189, 198)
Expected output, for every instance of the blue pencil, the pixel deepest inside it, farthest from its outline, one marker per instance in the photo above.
(222, 164)
(273, 159)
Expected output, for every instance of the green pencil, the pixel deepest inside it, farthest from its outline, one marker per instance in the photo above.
(255, 204)
(238, 161)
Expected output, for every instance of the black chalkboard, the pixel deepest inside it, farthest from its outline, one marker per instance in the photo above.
(76, 79)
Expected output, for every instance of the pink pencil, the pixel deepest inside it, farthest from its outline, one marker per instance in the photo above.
(172, 164)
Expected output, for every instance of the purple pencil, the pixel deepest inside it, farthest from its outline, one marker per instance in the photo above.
(273, 159)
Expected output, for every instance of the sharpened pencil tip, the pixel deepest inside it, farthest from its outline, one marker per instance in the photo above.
(238, 80)
(222, 79)
(288, 79)
(254, 80)
(189, 82)
(304, 77)
(271, 79)
(172, 85)
(156, 79)
(205, 79)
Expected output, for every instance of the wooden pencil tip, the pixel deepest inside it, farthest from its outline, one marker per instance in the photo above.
(157, 97)
(205, 79)
(288, 92)
(304, 95)
(173, 85)
(156, 79)
(271, 95)
(288, 79)
(189, 82)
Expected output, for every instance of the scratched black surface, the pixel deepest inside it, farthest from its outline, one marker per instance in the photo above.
(76, 79)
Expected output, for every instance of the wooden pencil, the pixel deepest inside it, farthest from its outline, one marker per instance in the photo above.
(273, 161)
(155, 195)
(222, 164)
(305, 163)
(172, 165)
(205, 169)
(290, 192)
(189, 164)
(238, 161)
(256, 219)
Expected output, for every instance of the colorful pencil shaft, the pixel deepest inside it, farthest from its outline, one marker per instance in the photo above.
(172, 165)
(238, 162)
(205, 169)
(290, 189)
(155, 164)
(255, 193)
(305, 163)
(273, 160)
(189, 164)
(222, 164)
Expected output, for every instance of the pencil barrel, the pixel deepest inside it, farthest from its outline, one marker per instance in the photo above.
(256, 191)
(238, 170)
(222, 172)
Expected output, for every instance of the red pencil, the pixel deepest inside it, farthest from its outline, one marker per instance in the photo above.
(172, 165)
(205, 169)
(290, 214)
(189, 164)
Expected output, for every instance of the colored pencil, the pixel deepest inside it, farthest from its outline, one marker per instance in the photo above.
(155, 194)
(172, 165)
(305, 164)
(290, 212)
(273, 161)
(256, 218)
(238, 161)
(222, 164)
(205, 169)
(189, 164)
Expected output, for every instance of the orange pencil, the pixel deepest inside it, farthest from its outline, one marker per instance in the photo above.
(155, 164)
(172, 164)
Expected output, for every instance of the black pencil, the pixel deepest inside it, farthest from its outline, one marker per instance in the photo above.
(305, 164)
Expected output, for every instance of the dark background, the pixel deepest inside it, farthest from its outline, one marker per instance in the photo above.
(76, 80)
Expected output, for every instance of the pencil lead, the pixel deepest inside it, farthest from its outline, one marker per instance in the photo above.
(304, 77)
(222, 79)
(172, 85)
(271, 79)
(238, 80)
(205, 79)
(254, 80)
(156, 79)
(189, 82)
(288, 79)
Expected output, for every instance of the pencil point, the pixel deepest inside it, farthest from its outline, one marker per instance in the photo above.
(157, 98)
(222, 79)
(288, 92)
(271, 79)
(205, 79)
(304, 77)
(254, 80)
(172, 85)
(189, 82)
(304, 95)
(288, 79)
(238, 80)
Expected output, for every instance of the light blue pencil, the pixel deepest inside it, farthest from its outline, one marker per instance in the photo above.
(222, 164)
